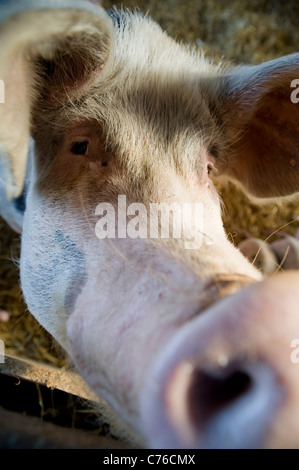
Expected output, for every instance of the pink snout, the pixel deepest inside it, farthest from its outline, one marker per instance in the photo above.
(228, 378)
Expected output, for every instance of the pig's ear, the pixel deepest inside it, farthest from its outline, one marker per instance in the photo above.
(50, 51)
(260, 116)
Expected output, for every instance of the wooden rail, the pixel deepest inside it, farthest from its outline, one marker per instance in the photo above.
(18, 426)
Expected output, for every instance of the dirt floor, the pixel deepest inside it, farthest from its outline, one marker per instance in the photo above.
(240, 31)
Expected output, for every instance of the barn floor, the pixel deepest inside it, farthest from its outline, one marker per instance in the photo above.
(249, 31)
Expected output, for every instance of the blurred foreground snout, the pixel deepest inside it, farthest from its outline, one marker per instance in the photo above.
(229, 378)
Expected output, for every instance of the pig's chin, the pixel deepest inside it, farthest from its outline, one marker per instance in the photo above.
(214, 384)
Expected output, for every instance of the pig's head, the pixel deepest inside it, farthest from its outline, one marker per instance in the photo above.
(179, 332)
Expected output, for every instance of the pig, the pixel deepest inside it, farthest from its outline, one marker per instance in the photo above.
(184, 338)
(260, 253)
(271, 257)
(286, 250)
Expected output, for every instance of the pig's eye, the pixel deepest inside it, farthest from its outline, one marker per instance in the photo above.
(209, 168)
(79, 148)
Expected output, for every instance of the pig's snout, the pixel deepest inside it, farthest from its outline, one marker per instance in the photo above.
(227, 380)
(223, 406)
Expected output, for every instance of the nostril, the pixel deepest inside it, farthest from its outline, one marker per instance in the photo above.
(208, 394)
(223, 407)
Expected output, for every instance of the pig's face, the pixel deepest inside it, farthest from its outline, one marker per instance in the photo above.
(122, 115)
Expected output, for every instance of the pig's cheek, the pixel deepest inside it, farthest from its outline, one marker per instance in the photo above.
(211, 212)
(75, 341)
(52, 267)
(88, 346)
